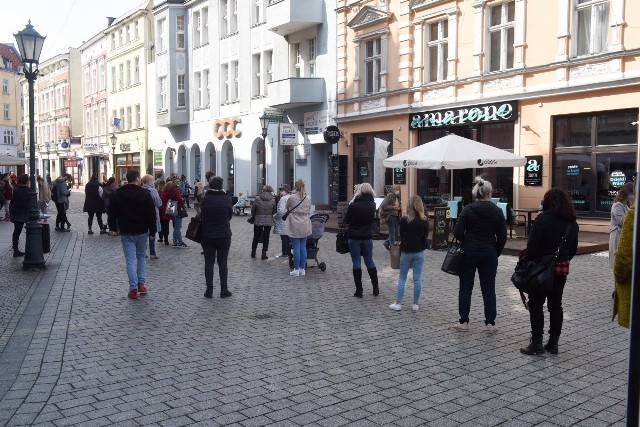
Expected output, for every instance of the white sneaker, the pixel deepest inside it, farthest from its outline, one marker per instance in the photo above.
(395, 306)
(294, 273)
(490, 328)
(414, 307)
(302, 272)
(463, 327)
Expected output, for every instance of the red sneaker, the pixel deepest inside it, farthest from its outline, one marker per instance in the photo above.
(142, 289)
(133, 294)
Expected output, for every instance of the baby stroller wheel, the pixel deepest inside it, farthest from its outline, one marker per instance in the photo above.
(322, 266)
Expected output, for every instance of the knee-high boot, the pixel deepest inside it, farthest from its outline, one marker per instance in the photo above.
(373, 275)
(357, 278)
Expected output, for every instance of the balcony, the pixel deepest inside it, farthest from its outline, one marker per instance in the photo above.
(284, 18)
(296, 92)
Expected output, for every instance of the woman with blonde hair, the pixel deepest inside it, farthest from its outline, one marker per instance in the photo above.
(359, 219)
(414, 235)
(298, 226)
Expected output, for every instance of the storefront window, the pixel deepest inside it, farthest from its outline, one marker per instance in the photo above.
(617, 129)
(573, 173)
(613, 170)
(369, 151)
(573, 131)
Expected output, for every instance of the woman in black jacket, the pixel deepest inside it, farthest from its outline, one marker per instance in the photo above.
(414, 232)
(359, 218)
(19, 210)
(557, 218)
(94, 204)
(482, 229)
(216, 212)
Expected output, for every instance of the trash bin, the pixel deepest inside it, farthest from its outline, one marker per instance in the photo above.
(46, 238)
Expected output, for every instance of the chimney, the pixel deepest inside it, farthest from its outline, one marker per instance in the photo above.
(110, 20)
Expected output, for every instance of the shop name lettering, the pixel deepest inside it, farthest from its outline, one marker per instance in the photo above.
(461, 116)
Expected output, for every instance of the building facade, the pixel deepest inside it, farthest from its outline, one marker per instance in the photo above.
(411, 71)
(11, 104)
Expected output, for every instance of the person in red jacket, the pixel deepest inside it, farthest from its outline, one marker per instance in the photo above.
(171, 192)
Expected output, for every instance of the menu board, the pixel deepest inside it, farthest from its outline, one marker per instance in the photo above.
(399, 176)
(440, 235)
(533, 171)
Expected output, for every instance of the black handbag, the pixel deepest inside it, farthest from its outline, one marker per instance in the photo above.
(182, 211)
(452, 263)
(342, 243)
(535, 275)
(194, 229)
(251, 219)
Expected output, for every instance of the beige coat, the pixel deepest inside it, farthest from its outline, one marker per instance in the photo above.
(298, 224)
(44, 193)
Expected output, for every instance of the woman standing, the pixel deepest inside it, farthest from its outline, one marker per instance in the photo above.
(94, 204)
(217, 211)
(482, 229)
(18, 211)
(164, 223)
(263, 209)
(278, 228)
(107, 191)
(298, 226)
(44, 195)
(171, 192)
(624, 199)
(558, 218)
(61, 199)
(359, 219)
(147, 184)
(414, 232)
(623, 269)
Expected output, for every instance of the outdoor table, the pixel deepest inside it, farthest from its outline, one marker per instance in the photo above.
(529, 212)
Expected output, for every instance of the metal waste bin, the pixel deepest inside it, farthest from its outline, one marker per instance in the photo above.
(46, 238)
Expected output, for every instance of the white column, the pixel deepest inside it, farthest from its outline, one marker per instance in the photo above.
(478, 27)
(519, 36)
(418, 58)
(563, 30)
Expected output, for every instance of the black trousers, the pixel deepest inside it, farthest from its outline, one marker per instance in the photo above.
(98, 217)
(15, 238)
(216, 249)
(61, 217)
(164, 230)
(284, 239)
(261, 232)
(554, 306)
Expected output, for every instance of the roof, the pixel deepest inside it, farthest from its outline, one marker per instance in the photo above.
(10, 53)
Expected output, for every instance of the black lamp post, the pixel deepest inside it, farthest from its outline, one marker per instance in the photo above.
(114, 141)
(264, 122)
(30, 46)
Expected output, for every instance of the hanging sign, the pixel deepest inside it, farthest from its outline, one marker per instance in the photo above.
(399, 176)
(332, 134)
(533, 171)
(288, 134)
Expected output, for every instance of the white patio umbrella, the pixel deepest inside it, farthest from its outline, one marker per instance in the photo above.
(454, 152)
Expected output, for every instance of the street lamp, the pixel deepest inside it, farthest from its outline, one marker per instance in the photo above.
(114, 141)
(30, 46)
(264, 122)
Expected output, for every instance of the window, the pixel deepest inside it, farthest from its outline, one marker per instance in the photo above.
(205, 25)
(591, 26)
(500, 39)
(197, 29)
(138, 116)
(258, 11)
(103, 119)
(113, 79)
(180, 32)
(114, 114)
(229, 17)
(437, 46)
(162, 44)
(372, 66)
(256, 73)
(123, 122)
(198, 87)
(225, 79)
(5, 86)
(312, 57)
(128, 73)
(103, 81)
(129, 118)
(121, 76)
(120, 37)
(136, 70)
(205, 85)
(163, 93)
(9, 137)
(235, 94)
(87, 82)
(94, 130)
(113, 41)
(6, 112)
(181, 94)
(297, 60)
(87, 125)
(233, 25)
(261, 71)
(268, 68)
(94, 79)
(136, 30)
(127, 34)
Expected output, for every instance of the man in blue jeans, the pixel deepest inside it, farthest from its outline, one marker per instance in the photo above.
(133, 209)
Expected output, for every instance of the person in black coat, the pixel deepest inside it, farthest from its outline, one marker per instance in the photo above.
(359, 219)
(94, 204)
(18, 211)
(557, 218)
(216, 213)
(482, 229)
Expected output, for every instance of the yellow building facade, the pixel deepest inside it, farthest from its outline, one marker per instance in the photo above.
(563, 75)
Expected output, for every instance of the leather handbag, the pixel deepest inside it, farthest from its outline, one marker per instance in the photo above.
(452, 263)
(172, 208)
(182, 211)
(194, 229)
(342, 243)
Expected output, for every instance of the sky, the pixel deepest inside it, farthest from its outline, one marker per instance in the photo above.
(65, 23)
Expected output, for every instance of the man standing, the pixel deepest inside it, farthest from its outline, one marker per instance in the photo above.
(390, 211)
(132, 208)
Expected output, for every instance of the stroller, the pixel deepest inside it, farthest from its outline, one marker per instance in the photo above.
(317, 230)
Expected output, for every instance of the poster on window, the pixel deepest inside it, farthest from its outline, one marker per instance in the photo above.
(288, 134)
(533, 171)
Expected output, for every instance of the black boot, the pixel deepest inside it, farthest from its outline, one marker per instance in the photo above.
(264, 255)
(224, 293)
(552, 345)
(373, 275)
(534, 347)
(17, 253)
(357, 278)
(209, 292)
(253, 252)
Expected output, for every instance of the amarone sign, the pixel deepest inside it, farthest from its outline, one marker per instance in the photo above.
(497, 112)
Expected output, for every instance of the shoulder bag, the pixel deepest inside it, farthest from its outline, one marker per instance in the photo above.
(342, 242)
(452, 263)
(172, 208)
(536, 275)
(286, 214)
(194, 229)
(182, 211)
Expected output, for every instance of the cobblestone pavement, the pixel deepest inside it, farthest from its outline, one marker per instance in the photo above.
(288, 350)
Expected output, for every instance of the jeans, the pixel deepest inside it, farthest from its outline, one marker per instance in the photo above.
(177, 230)
(361, 248)
(61, 218)
(216, 248)
(554, 306)
(487, 264)
(98, 217)
(393, 223)
(135, 249)
(44, 207)
(258, 231)
(409, 260)
(152, 244)
(299, 253)
(15, 238)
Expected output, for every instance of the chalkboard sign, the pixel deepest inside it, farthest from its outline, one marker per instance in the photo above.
(399, 176)
(440, 235)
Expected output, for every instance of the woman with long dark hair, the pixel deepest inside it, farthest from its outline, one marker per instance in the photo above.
(557, 218)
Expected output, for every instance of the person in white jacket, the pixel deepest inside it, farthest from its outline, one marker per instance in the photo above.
(278, 228)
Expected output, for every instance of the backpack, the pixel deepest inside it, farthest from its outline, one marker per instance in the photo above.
(54, 194)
